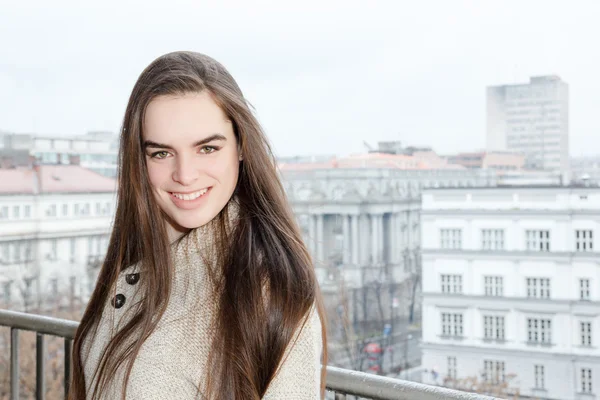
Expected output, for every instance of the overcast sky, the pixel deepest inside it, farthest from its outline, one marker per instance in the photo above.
(324, 76)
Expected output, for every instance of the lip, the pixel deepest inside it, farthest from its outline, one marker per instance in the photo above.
(190, 204)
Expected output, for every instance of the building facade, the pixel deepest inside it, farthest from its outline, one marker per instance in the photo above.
(531, 119)
(360, 218)
(511, 288)
(54, 227)
(96, 151)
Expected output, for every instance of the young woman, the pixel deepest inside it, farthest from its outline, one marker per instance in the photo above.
(207, 290)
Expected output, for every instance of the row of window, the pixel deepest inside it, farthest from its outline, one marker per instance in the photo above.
(18, 212)
(535, 239)
(78, 209)
(494, 372)
(494, 286)
(21, 251)
(539, 330)
(53, 290)
(56, 210)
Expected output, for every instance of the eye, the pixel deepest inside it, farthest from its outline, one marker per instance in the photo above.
(208, 149)
(160, 154)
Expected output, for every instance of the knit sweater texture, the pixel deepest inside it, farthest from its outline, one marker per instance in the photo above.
(172, 362)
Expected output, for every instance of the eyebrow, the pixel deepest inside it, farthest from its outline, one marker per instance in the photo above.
(208, 139)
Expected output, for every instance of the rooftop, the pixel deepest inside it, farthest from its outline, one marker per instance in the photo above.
(47, 179)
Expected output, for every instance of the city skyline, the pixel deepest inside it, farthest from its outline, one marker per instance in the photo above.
(385, 72)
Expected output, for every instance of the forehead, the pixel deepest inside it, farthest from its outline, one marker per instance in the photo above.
(182, 116)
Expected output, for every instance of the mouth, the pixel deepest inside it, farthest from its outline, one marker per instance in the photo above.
(190, 196)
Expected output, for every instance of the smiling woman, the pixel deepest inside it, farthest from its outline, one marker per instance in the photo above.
(187, 163)
(207, 290)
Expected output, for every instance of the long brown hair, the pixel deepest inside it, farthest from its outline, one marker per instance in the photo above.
(270, 256)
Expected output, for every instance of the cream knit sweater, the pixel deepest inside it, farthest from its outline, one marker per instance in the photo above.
(172, 362)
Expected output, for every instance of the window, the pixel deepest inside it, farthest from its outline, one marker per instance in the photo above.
(584, 240)
(27, 212)
(539, 376)
(492, 239)
(539, 330)
(98, 208)
(452, 324)
(584, 289)
(91, 245)
(493, 285)
(72, 286)
(6, 292)
(4, 212)
(72, 245)
(538, 288)
(537, 240)
(76, 209)
(16, 212)
(54, 288)
(5, 254)
(51, 211)
(585, 329)
(65, 210)
(451, 238)
(493, 327)
(53, 248)
(452, 367)
(586, 380)
(86, 209)
(451, 284)
(17, 252)
(493, 371)
(28, 257)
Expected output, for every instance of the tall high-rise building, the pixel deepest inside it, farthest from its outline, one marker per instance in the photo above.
(531, 119)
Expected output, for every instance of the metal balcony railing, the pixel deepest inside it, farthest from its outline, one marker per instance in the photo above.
(341, 383)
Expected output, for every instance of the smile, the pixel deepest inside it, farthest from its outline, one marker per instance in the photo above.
(190, 196)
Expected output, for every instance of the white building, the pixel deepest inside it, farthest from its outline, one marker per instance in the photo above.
(531, 119)
(511, 285)
(96, 151)
(54, 225)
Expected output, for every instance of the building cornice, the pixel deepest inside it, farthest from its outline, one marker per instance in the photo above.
(500, 351)
(512, 255)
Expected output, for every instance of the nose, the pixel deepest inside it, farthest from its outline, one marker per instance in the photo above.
(185, 171)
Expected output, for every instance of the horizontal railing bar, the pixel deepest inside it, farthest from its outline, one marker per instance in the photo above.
(339, 380)
(38, 323)
(381, 387)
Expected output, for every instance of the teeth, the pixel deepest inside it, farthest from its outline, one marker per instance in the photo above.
(190, 196)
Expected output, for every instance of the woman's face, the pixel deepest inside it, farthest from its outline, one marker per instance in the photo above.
(192, 158)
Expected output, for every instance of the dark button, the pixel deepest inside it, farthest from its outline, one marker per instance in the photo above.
(132, 279)
(118, 301)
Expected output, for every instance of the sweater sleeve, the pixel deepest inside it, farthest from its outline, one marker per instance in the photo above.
(299, 376)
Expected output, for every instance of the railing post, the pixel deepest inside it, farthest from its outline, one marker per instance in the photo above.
(68, 343)
(40, 383)
(14, 364)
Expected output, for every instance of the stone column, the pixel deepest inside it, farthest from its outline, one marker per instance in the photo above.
(320, 238)
(312, 235)
(392, 241)
(346, 253)
(355, 242)
(374, 239)
(381, 238)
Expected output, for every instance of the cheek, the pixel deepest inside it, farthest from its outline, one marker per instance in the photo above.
(224, 170)
(157, 174)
